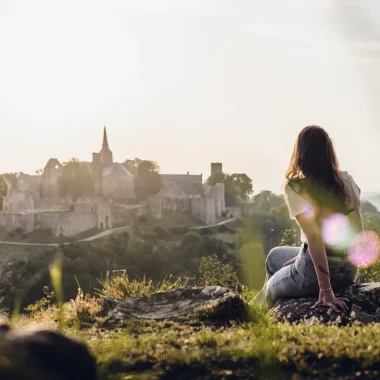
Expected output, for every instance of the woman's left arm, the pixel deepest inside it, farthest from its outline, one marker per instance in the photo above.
(318, 255)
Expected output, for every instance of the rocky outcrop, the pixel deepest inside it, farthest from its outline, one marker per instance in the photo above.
(364, 305)
(214, 304)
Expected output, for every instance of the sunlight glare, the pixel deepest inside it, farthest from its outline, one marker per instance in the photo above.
(336, 230)
(64, 61)
(365, 250)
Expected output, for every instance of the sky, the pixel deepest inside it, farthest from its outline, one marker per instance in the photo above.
(190, 82)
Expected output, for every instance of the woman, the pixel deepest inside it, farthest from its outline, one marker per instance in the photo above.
(326, 205)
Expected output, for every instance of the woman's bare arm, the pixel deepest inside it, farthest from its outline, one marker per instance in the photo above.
(319, 257)
(317, 249)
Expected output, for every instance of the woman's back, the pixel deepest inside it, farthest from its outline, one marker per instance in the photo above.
(338, 230)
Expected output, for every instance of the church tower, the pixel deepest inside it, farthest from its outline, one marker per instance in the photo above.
(105, 155)
(100, 161)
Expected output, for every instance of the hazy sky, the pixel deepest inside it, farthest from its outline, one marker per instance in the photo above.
(189, 82)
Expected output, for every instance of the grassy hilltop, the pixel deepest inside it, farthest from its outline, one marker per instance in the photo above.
(186, 349)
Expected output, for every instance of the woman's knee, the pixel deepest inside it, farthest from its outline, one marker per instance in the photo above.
(272, 263)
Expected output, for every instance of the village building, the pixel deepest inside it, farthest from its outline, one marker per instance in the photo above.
(34, 201)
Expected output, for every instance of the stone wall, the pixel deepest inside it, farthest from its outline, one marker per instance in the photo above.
(155, 206)
(235, 212)
(12, 221)
(104, 215)
(59, 223)
(217, 194)
(73, 223)
(123, 215)
(48, 221)
(204, 209)
(29, 222)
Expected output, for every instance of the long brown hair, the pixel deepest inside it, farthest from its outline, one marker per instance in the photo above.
(314, 170)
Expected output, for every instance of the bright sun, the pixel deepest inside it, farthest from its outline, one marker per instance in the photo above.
(63, 57)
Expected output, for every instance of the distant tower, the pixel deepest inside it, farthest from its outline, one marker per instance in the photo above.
(216, 167)
(100, 161)
(105, 155)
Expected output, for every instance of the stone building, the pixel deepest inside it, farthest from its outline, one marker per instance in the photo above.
(24, 192)
(34, 201)
(187, 193)
(112, 180)
(50, 188)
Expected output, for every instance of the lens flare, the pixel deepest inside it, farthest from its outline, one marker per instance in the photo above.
(365, 250)
(310, 213)
(336, 230)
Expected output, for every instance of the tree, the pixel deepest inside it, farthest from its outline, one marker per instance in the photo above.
(148, 180)
(76, 180)
(132, 165)
(3, 190)
(238, 186)
(10, 178)
(3, 187)
(368, 208)
(266, 200)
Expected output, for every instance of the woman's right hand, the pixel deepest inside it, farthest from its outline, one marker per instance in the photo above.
(327, 299)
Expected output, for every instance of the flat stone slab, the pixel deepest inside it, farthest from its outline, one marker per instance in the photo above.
(364, 305)
(213, 303)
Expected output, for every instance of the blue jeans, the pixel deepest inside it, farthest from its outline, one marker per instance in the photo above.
(299, 279)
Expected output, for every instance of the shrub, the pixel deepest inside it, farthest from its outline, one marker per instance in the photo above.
(177, 230)
(161, 232)
(118, 285)
(290, 238)
(43, 303)
(85, 308)
(143, 219)
(215, 271)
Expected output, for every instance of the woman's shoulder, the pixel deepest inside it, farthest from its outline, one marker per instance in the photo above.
(293, 185)
(293, 190)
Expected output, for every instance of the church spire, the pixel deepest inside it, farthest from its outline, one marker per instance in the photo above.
(105, 140)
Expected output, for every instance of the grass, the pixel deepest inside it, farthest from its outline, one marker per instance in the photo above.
(118, 285)
(265, 351)
(261, 349)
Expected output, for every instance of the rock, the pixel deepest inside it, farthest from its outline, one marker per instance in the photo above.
(35, 353)
(364, 305)
(213, 304)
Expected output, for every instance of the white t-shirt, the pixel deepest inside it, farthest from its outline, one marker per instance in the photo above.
(299, 203)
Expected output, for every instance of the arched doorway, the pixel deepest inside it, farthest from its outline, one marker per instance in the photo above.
(107, 222)
(101, 226)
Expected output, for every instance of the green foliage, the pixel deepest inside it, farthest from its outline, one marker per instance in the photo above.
(251, 254)
(76, 180)
(238, 187)
(46, 301)
(148, 180)
(11, 178)
(118, 285)
(290, 238)
(217, 271)
(265, 201)
(85, 308)
(161, 232)
(368, 208)
(3, 187)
